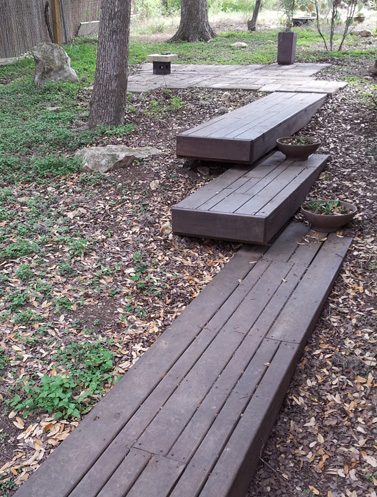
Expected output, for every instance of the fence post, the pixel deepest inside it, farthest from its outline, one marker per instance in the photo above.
(57, 31)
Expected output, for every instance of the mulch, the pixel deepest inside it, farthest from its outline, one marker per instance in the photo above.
(324, 440)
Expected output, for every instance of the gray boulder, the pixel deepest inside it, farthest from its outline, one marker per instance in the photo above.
(103, 159)
(52, 64)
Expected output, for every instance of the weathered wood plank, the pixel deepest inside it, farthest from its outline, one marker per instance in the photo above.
(245, 135)
(231, 475)
(158, 478)
(311, 293)
(250, 210)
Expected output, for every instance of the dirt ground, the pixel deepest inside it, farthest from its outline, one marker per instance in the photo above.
(324, 442)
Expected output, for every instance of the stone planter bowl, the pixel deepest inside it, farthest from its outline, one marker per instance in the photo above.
(299, 152)
(329, 223)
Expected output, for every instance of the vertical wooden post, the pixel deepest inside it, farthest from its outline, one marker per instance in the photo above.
(57, 31)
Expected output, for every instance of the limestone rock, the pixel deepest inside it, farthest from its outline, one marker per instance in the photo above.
(103, 159)
(239, 44)
(52, 64)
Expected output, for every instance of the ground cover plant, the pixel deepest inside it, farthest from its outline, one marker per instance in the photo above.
(91, 274)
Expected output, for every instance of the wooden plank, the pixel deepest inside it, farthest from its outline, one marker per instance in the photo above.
(246, 139)
(173, 416)
(256, 190)
(257, 202)
(104, 467)
(123, 479)
(158, 478)
(214, 149)
(286, 203)
(209, 409)
(231, 474)
(238, 114)
(241, 228)
(311, 293)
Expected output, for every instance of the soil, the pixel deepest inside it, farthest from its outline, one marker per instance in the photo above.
(324, 440)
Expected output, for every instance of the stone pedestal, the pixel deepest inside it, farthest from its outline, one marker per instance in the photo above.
(286, 47)
(162, 62)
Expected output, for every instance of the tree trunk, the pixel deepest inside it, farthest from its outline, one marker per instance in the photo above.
(194, 25)
(252, 24)
(110, 86)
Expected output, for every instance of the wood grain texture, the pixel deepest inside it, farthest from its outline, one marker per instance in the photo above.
(248, 206)
(246, 134)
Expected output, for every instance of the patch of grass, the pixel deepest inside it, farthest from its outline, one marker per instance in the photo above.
(24, 272)
(20, 248)
(65, 269)
(17, 299)
(3, 359)
(55, 165)
(26, 317)
(86, 369)
(78, 246)
(63, 303)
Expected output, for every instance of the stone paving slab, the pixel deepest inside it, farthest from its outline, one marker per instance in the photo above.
(296, 77)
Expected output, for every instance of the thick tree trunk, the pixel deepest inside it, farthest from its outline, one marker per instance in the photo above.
(252, 24)
(110, 86)
(194, 24)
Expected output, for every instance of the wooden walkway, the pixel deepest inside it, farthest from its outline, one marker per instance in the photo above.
(248, 205)
(191, 417)
(248, 133)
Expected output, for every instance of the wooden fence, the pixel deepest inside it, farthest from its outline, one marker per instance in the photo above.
(24, 23)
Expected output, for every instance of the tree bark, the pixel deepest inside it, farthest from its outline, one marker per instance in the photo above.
(252, 24)
(194, 25)
(110, 85)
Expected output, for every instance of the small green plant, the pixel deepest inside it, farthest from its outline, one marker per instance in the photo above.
(20, 248)
(42, 288)
(176, 103)
(326, 207)
(26, 317)
(63, 303)
(86, 370)
(17, 300)
(6, 486)
(24, 272)
(3, 359)
(65, 269)
(77, 246)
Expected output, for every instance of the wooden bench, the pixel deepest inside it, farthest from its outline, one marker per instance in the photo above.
(190, 418)
(248, 133)
(246, 205)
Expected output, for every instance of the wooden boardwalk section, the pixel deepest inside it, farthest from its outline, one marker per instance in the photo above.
(246, 205)
(191, 417)
(248, 133)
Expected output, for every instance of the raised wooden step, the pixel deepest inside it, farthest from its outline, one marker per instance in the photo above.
(191, 417)
(248, 133)
(245, 205)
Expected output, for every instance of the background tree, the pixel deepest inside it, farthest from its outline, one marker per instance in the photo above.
(194, 25)
(252, 23)
(110, 85)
